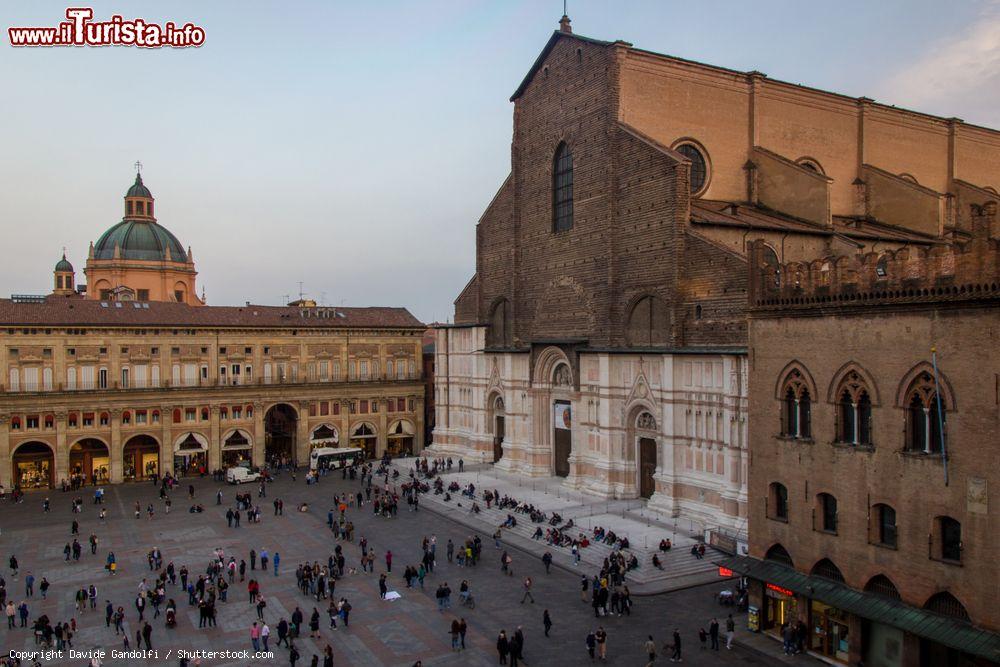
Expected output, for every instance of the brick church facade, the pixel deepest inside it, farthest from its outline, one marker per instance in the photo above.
(603, 337)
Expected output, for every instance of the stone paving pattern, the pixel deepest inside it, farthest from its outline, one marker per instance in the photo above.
(396, 633)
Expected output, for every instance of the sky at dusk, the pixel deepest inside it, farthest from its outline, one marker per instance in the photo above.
(352, 146)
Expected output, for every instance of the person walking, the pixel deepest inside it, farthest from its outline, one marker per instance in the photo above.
(547, 561)
(388, 561)
(463, 627)
(454, 634)
(503, 647)
(382, 588)
(147, 634)
(602, 643)
(275, 561)
(584, 587)
(650, 648)
(255, 636)
(713, 633)
(676, 655)
(730, 631)
(517, 647)
(265, 634)
(546, 622)
(527, 591)
(591, 643)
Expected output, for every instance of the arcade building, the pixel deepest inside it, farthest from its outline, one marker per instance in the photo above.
(132, 375)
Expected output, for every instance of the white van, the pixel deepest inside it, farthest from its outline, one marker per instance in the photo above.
(240, 474)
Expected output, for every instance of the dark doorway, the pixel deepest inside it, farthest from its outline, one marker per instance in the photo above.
(647, 466)
(562, 436)
(280, 425)
(364, 438)
(498, 436)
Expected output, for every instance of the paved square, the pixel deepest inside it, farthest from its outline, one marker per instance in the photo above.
(394, 633)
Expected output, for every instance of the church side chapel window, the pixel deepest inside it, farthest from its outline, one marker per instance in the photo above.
(699, 167)
(796, 407)
(925, 416)
(854, 411)
(562, 190)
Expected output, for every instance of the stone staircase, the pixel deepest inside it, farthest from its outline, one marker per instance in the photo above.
(680, 568)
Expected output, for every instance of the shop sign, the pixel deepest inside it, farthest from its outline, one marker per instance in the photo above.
(725, 572)
(778, 589)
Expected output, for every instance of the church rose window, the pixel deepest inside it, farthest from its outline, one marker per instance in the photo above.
(699, 166)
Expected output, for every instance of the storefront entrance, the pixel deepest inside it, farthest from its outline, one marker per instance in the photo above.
(33, 466)
(191, 456)
(364, 438)
(828, 631)
(141, 458)
(89, 462)
(400, 441)
(237, 450)
(779, 608)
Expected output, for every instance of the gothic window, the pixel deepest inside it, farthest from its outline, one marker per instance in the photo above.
(949, 538)
(796, 407)
(948, 605)
(779, 554)
(925, 416)
(648, 323)
(882, 585)
(778, 501)
(827, 569)
(562, 189)
(854, 411)
(500, 325)
(826, 506)
(884, 517)
(771, 259)
(699, 166)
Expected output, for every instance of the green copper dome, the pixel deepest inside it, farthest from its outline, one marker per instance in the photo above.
(138, 189)
(139, 239)
(64, 265)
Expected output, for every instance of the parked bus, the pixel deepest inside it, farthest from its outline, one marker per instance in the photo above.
(335, 457)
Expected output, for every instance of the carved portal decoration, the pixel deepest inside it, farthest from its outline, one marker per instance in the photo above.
(562, 376)
(645, 422)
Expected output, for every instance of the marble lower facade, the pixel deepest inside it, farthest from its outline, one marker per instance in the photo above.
(669, 427)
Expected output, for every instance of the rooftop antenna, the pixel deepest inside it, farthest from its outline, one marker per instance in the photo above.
(300, 291)
(322, 298)
(285, 302)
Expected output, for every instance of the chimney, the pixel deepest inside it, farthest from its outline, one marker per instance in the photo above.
(564, 25)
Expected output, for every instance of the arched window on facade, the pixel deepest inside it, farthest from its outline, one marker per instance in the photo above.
(648, 323)
(777, 502)
(562, 189)
(797, 407)
(882, 585)
(946, 604)
(826, 513)
(771, 259)
(828, 570)
(883, 518)
(500, 325)
(779, 554)
(699, 166)
(948, 539)
(925, 416)
(854, 411)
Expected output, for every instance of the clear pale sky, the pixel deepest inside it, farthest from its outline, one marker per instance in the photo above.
(353, 145)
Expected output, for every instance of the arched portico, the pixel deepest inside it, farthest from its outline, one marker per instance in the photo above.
(364, 435)
(140, 457)
(89, 461)
(237, 448)
(33, 465)
(400, 438)
(280, 430)
(190, 454)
